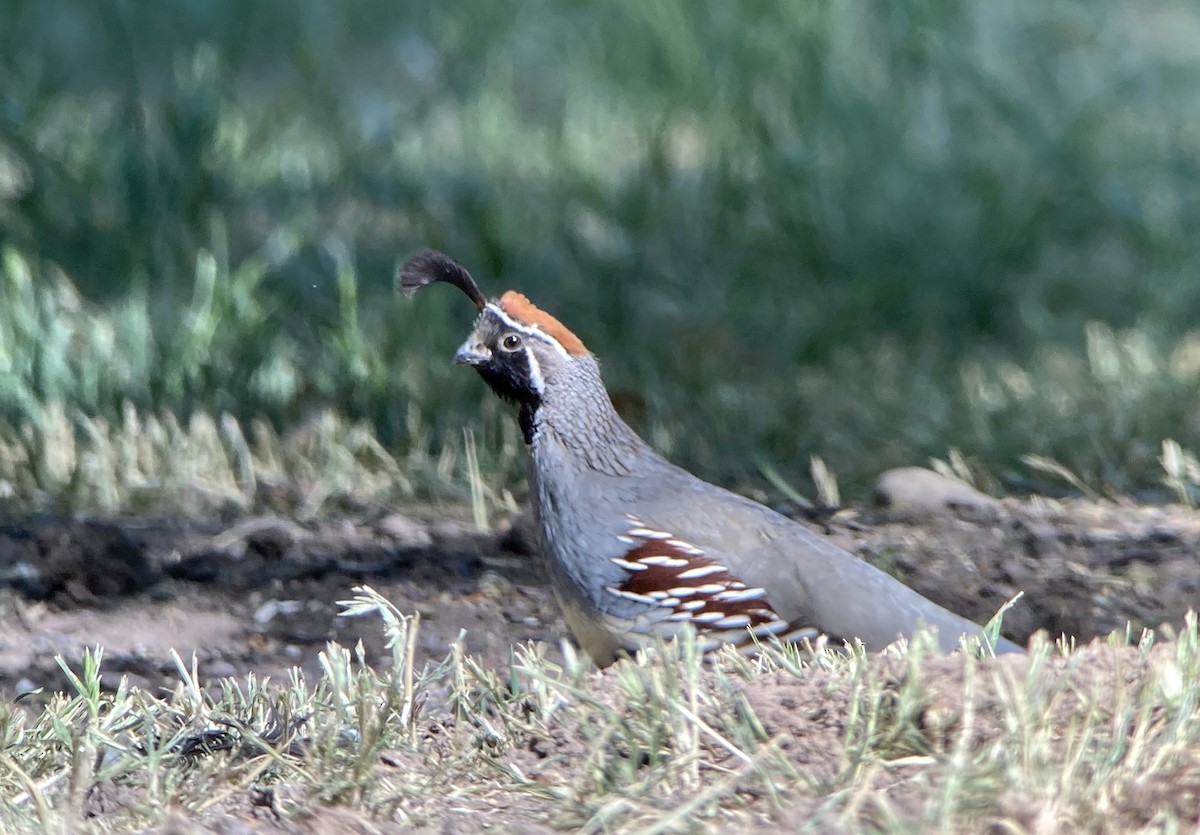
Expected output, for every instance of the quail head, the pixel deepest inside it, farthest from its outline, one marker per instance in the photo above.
(638, 547)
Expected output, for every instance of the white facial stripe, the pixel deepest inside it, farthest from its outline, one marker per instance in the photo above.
(535, 373)
(527, 330)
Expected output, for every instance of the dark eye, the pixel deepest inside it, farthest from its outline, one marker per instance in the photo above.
(510, 342)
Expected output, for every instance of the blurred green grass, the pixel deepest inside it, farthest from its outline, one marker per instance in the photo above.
(869, 232)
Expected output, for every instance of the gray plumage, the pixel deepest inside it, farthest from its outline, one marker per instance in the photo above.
(638, 546)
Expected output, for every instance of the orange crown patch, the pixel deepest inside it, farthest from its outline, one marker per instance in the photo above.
(521, 309)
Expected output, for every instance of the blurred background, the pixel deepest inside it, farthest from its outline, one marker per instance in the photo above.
(874, 232)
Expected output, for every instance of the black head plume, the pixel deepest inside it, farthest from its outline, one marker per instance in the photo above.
(429, 266)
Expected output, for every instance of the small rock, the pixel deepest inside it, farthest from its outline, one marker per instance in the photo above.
(404, 530)
(268, 611)
(268, 537)
(449, 531)
(922, 491)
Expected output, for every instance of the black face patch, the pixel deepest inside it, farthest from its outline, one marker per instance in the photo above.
(508, 374)
(507, 367)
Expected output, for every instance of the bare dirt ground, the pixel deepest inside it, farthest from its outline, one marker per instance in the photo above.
(261, 594)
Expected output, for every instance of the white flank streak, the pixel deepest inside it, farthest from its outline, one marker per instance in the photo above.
(669, 562)
(647, 533)
(710, 588)
(741, 594)
(659, 595)
(686, 547)
(628, 595)
(683, 591)
(669, 602)
(628, 540)
(797, 635)
(732, 622)
(694, 604)
(631, 566)
(768, 629)
(681, 616)
(701, 571)
(710, 617)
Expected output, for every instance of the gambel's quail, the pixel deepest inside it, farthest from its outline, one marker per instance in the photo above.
(637, 546)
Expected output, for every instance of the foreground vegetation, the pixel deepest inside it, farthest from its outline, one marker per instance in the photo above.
(1105, 738)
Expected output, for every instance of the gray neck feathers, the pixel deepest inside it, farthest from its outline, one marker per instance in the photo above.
(577, 415)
